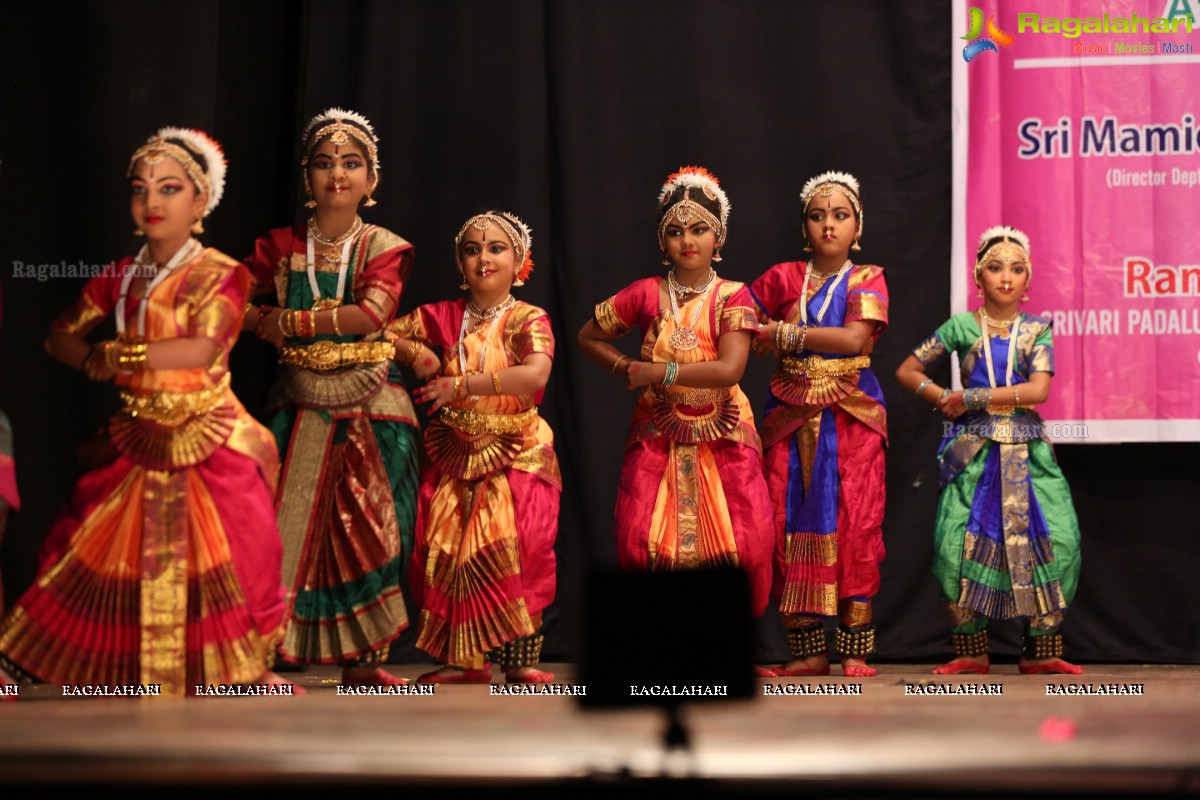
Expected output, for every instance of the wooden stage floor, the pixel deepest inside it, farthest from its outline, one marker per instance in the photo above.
(884, 742)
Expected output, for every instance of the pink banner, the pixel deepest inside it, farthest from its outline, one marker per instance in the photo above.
(1083, 130)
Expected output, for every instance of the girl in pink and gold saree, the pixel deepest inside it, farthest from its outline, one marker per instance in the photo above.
(487, 512)
(164, 569)
(691, 492)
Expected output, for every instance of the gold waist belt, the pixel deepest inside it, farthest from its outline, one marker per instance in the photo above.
(470, 421)
(327, 356)
(169, 409)
(693, 398)
(818, 366)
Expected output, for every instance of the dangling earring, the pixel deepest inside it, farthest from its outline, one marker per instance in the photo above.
(717, 256)
(311, 201)
(1024, 297)
(979, 292)
(197, 226)
(807, 244)
(518, 282)
(370, 191)
(370, 201)
(855, 245)
(666, 262)
(138, 231)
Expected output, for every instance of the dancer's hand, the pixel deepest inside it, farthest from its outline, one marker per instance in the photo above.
(644, 373)
(764, 340)
(95, 367)
(268, 328)
(952, 405)
(438, 391)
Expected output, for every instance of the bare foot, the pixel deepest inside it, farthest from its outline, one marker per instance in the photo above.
(1047, 666)
(813, 665)
(275, 680)
(370, 676)
(453, 674)
(965, 665)
(857, 668)
(527, 675)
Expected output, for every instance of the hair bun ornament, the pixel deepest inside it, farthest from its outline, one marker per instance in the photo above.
(212, 177)
(701, 196)
(1002, 232)
(697, 178)
(526, 245)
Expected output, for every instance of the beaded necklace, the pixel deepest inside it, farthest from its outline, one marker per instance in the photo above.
(190, 248)
(808, 270)
(345, 241)
(474, 312)
(684, 337)
(999, 324)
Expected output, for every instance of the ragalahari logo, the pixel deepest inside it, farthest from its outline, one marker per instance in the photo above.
(994, 37)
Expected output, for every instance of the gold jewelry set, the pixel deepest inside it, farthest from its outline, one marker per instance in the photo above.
(125, 356)
(169, 409)
(470, 421)
(462, 387)
(333, 256)
(296, 323)
(790, 338)
(819, 366)
(326, 356)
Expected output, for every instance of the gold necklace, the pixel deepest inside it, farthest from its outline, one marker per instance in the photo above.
(998, 323)
(333, 255)
(485, 314)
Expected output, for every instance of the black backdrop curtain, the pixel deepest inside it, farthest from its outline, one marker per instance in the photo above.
(569, 113)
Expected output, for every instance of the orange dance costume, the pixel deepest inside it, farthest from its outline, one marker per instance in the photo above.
(164, 569)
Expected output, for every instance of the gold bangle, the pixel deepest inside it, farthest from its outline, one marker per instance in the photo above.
(1016, 396)
(413, 351)
(617, 363)
(458, 379)
(336, 328)
(496, 382)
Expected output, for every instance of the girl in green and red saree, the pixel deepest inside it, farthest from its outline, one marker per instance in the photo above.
(346, 429)
(1006, 543)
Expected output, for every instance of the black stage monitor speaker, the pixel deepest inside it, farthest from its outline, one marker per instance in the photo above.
(666, 639)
